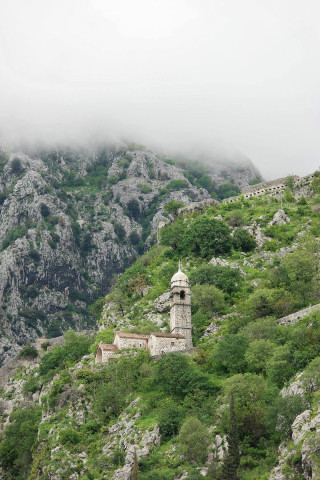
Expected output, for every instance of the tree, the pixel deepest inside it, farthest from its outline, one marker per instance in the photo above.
(261, 303)
(19, 439)
(133, 207)
(250, 399)
(134, 237)
(44, 209)
(261, 329)
(225, 278)
(280, 366)
(208, 236)
(172, 207)
(228, 190)
(242, 240)
(232, 459)
(205, 182)
(282, 412)
(208, 299)
(177, 377)
(193, 440)
(135, 470)
(298, 272)
(229, 354)
(290, 182)
(258, 354)
(174, 236)
(16, 166)
(170, 418)
(311, 376)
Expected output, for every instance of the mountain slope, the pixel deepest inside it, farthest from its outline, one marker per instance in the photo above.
(173, 413)
(70, 222)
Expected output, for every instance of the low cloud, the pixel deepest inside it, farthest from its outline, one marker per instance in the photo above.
(224, 75)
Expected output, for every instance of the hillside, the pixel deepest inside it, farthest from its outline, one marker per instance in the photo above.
(70, 222)
(252, 381)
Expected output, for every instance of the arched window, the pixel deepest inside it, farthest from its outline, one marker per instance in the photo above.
(182, 294)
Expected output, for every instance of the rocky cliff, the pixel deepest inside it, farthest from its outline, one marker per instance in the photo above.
(70, 222)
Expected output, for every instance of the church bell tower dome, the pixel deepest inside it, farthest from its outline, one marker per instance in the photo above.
(179, 277)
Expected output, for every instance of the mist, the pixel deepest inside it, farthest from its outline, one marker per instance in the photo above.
(238, 77)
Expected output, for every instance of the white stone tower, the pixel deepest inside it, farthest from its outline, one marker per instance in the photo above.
(180, 306)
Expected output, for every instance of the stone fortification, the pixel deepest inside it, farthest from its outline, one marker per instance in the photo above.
(273, 188)
(295, 317)
(178, 340)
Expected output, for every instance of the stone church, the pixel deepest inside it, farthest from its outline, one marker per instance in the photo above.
(179, 339)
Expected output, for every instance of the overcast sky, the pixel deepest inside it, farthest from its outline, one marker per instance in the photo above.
(239, 74)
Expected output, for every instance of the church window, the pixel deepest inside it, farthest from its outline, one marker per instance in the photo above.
(182, 294)
(172, 344)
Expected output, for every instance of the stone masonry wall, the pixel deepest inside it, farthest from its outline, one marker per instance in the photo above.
(295, 317)
(159, 345)
(130, 342)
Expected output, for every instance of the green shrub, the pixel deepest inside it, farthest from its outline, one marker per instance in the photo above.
(133, 207)
(28, 351)
(44, 210)
(172, 207)
(34, 255)
(144, 187)
(16, 166)
(177, 185)
(69, 436)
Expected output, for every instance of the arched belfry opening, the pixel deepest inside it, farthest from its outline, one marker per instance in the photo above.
(180, 306)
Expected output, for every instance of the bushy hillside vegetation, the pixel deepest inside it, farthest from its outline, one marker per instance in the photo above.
(86, 417)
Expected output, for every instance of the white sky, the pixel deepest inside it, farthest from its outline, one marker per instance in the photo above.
(242, 74)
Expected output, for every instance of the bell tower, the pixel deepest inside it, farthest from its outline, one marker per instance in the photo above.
(180, 306)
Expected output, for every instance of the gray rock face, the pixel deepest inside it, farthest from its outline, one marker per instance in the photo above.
(162, 304)
(280, 218)
(71, 221)
(64, 237)
(306, 439)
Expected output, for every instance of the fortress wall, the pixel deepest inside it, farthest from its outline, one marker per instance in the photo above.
(271, 188)
(293, 318)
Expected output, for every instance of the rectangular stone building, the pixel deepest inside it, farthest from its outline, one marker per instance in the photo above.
(130, 340)
(160, 343)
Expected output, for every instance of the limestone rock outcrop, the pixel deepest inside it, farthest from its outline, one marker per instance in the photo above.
(280, 218)
(64, 236)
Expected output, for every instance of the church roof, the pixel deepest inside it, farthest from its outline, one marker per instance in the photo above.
(108, 347)
(131, 335)
(167, 335)
(179, 276)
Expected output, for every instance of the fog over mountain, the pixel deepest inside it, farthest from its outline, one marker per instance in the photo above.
(237, 77)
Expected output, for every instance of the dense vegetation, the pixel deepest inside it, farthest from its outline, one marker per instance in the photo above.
(232, 381)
